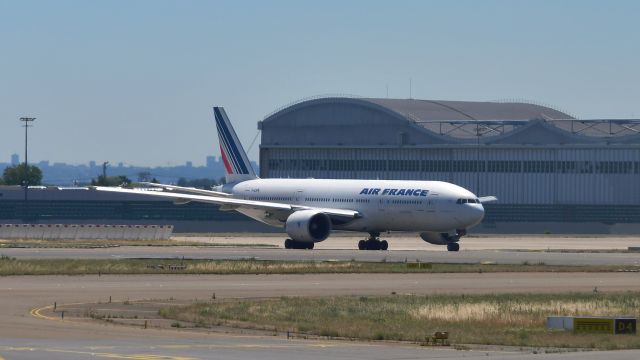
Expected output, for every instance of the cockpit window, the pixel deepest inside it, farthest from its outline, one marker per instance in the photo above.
(470, 201)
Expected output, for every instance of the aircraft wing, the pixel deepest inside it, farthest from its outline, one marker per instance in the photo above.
(188, 190)
(230, 203)
(486, 199)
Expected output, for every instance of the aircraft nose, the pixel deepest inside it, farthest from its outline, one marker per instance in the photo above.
(480, 212)
(475, 213)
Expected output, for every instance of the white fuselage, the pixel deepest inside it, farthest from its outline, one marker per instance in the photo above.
(385, 205)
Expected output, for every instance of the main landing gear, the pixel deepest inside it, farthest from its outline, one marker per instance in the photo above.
(373, 243)
(292, 244)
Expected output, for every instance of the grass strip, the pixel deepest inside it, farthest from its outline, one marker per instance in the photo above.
(500, 319)
(13, 266)
(100, 243)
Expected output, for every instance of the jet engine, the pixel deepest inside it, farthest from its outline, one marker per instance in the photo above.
(437, 238)
(309, 226)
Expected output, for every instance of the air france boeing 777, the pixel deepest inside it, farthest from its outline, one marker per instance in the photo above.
(309, 209)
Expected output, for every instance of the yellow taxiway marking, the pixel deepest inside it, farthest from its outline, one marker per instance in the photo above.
(100, 354)
(36, 312)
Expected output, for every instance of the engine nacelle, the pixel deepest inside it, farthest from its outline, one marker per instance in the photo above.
(308, 226)
(437, 238)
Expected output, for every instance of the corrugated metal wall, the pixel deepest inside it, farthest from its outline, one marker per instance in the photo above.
(518, 175)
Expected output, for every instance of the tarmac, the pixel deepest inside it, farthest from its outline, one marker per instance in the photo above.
(411, 241)
(28, 334)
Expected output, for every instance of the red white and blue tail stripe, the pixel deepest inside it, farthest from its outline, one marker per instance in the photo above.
(236, 163)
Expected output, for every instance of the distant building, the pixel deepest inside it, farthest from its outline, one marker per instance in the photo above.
(92, 164)
(189, 164)
(15, 159)
(43, 164)
(543, 165)
(211, 161)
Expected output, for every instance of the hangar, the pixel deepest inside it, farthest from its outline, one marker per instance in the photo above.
(543, 164)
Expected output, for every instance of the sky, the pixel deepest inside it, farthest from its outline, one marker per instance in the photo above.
(134, 81)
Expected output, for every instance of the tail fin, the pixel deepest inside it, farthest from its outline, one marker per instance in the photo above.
(236, 163)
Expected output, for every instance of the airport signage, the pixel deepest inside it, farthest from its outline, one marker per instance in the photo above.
(626, 326)
(419, 266)
(590, 325)
(598, 325)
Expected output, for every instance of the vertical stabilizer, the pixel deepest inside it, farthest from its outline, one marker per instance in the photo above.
(236, 163)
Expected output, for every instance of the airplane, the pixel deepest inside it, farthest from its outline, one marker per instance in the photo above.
(310, 209)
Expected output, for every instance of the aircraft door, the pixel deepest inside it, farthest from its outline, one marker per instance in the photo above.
(432, 205)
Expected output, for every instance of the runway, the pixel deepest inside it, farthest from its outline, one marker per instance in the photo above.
(533, 249)
(267, 348)
(411, 241)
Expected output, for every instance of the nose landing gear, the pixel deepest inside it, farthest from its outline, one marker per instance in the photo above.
(452, 244)
(373, 243)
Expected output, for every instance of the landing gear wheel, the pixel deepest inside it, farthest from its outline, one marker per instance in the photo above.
(309, 246)
(453, 247)
(288, 244)
(373, 243)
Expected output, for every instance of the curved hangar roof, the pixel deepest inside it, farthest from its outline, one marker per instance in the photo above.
(336, 121)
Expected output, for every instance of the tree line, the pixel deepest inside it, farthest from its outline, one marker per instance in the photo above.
(16, 175)
(19, 175)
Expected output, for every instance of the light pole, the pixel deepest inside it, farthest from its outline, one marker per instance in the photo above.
(26, 121)
(478, 167)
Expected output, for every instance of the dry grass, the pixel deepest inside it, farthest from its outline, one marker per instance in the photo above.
(517, 311)
(12, 266)
(99, 243)
(508, 319)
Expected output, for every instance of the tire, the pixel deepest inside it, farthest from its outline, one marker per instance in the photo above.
(288, 244)
(453, 247)
(362, 245)
(384, 245)
(372, 245)
(310, 246)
